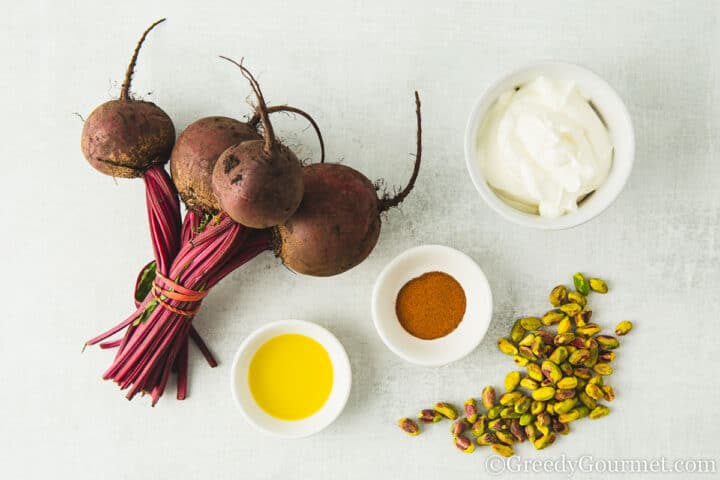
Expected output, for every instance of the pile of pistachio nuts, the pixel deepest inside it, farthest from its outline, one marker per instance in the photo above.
(565, 361)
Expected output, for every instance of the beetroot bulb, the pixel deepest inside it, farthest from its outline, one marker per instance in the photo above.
(125, 137)
(338, 222)
(259, 183)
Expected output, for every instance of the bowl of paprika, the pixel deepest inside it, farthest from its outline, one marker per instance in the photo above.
(432, 305)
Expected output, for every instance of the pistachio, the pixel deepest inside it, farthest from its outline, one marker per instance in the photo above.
(527, 353)
(505, 437)
(488, 397)
(594, 391)
(526, 419)
(499, 425)
(504, 450)
(470, 409)
(517, 430)
(609, 392)
(550, 408)
(538, 347)
(429, 415)
(543, 393)
(509, 398)
(581, 283)
(579, 357)
(561, 428)
(564, 338)
(409, 426)
(566, 369)
(464, 444)
(565, 325)
(564, 406)
(592, 358)
(587, 400)
(543, 419)
(534, 372)
(582, 372)
(599, 411)
(598, 285)
(459, 426)
(487, 438)
(530, 323)
(527, 340)
(564, 394)
(507, 347)
(544, 441)
(607, 342)
(446, 410)
(529, 384)
(606, 356)
(583, 318)
(537, 406)
(577, 297)
(571, 309)
(517, 332)
(509, 413)
(591, 343)
(520, 361)
(597, 380)
(552, 317)
(558, 295)
(603, 369)
(547, 337)
(588, 330)
(574, 414)
(523, 405)
(494, 412)
(559, 355)
(567, 382)
(551, 371)
(478, 428)
(531, 432)
(623, 327)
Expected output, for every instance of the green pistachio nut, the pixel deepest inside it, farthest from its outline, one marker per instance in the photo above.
(623, 327)
(471, 411)
(530, 323)
(559, 355)
(512, 380)
(446, 410)
(504, 450)
(581, 283)
(551, 371)
(567, 382)
(577, 297)
(544, 441)
(526, 419)
(429, 415)
(505, 437)
(507, 347)
(520, 361)
(594, 391)
(517, 332)
(603, 369)
(494, 412)
(464, 444)
(543, 393)
(598, 285)
(558, 295)
(537, 406)
(588, 330)
(565, 405)
(487, 438)
(599, 411)
(607, 342)
(535, 372)
(488, 397)
(587, 400)
(552, 317)
(409, 426)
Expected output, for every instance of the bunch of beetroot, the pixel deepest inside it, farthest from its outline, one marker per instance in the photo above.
(246, 193)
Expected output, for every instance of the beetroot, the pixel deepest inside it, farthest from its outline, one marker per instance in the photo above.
(338, 222)
(195, 153)
(259, 183)
(125, 137)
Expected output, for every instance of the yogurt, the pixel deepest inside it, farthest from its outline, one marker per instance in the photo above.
(542, 147)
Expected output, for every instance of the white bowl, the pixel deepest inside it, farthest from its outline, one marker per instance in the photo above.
(411, 264)
(342, 380)
(610, 107)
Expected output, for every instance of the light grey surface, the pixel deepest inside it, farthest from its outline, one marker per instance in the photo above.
(73, 240)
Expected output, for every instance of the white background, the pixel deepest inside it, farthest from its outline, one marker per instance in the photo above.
(72, 240)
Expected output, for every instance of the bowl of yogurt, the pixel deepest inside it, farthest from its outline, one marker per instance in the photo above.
(550, 145)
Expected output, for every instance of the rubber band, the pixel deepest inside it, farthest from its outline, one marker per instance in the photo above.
(175, 291)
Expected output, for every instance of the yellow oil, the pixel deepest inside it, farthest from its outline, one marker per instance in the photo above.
(291, 376)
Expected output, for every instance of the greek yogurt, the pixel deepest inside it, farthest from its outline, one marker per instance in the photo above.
(543, 147)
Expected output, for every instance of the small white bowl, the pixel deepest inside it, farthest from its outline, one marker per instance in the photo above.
(342, 380)
(411, 264)
(610, 107)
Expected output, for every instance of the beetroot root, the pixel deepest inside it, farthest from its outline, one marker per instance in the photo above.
(259, 192)
(195, 153)
(259, 182)
(125, 137)
(338, 222)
